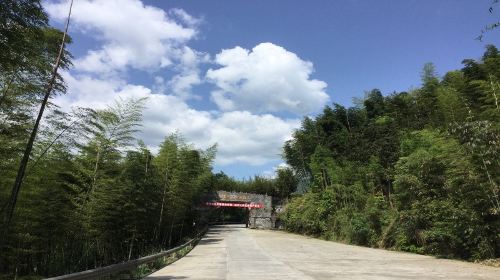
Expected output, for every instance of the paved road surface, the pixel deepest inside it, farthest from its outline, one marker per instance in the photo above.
(234, 252)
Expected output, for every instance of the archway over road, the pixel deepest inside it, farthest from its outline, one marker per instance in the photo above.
(259, 206)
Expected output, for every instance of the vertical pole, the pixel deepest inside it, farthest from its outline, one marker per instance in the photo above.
(11, 204)
(247, 217)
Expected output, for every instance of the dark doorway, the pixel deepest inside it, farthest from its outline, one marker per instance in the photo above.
(228, 215)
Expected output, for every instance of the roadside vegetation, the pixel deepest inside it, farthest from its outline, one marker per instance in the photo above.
(417, 171)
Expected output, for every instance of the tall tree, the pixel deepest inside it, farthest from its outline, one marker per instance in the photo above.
(29, 146)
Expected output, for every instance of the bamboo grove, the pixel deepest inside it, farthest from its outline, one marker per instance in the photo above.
(92, 194)
(417, 171)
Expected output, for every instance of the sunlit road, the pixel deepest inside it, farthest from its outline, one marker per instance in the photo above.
(234, 252)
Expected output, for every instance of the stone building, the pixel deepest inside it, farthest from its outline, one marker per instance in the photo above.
(259, 217)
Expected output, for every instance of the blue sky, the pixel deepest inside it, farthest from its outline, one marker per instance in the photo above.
(243, 73)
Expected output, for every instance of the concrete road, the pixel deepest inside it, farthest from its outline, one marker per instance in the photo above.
(234, 252)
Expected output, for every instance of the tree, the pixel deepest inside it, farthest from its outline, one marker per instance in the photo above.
(426, 100)
(286, 182)
(440, 198)
(112, 129)
(9, 209)
(491, 26)
(374, 104)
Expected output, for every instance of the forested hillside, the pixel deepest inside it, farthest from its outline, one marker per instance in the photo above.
(417, 171)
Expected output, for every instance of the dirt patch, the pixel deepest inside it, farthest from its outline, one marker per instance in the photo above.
(490, 262)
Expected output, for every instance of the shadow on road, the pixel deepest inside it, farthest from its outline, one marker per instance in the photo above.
(227, 228)
(164, 277)
(209, 240)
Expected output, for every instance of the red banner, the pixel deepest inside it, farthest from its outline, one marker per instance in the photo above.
(232, 204)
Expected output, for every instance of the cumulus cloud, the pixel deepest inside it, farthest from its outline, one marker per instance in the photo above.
(249, 138)
(185, 17)
(242, 137)
(271, 173)
(266, 79)
(131, 34)
(250, 84)
(188, 75)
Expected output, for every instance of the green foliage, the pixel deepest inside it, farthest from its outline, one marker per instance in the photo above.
(285, 183)
(415, 171)
(281, 186)
(440, 198)
(92, 198)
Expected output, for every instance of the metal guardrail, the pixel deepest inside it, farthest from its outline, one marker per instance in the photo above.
(97, 273)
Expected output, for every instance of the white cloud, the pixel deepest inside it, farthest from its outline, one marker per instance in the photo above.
(185, 17)
(250, 84)
(242, 137)
(266, 79)
(132, 34)
(271, 173)
(249, 138)
(189, 73)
